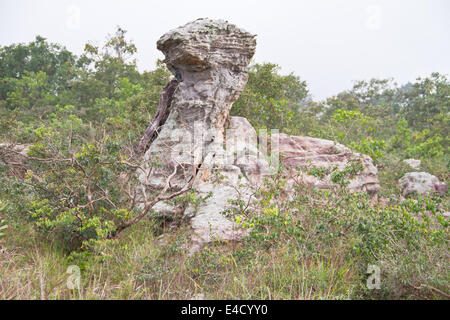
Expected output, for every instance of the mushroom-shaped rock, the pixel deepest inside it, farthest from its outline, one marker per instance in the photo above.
(209, 59)
(200, 145)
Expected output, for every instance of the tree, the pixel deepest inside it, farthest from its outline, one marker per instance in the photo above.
(426, 105)
(20, 60)
(103, 67)
(270, 100)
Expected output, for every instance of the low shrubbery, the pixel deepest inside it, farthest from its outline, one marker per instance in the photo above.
(79, 118)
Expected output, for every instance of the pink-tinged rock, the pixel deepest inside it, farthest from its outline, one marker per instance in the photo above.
(219, 155)
(309, 152)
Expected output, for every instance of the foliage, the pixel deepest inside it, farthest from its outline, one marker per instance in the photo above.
(81, 137)
(73, 199)
(79, 117)
(316, 223)
(422, 144)
(19, 60)
(270, 100)
(371, 147)
(427, 104)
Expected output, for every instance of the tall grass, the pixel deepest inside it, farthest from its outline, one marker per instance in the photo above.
(316, 246)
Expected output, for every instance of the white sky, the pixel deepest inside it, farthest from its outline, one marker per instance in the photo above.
(327, 43)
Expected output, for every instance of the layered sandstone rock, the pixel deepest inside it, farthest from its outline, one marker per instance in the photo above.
(221, 156)
(309, 153)
(209, 59)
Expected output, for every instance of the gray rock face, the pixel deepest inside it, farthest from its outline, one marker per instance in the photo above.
(421, 183)
(242, 150)
(235, 177)
(209, 58)
(218, 188)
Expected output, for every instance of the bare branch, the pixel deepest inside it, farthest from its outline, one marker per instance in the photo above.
(149, 204)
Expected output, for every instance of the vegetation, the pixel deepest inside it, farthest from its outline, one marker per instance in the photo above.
(68, 201)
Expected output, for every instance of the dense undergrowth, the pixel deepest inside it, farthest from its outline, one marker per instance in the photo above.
(81, 117)
(316, 246)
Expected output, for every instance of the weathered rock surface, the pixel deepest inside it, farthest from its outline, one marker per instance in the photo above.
(242, 150)
(200, 144)
(421, 183)
(218, 188)
(413, 163)
(309, 152)
(209, 59)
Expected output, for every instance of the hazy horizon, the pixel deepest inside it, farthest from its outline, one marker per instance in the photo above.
(328, 44)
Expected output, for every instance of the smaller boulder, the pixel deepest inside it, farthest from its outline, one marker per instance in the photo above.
(413, 163)
(421, 183)
(303, 152)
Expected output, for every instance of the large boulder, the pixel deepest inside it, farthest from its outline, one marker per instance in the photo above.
(209, 59)
(414, 183)
(308, 153)
(197, 143)
(234, 178)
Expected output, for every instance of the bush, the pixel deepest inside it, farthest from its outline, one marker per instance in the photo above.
(324, 223)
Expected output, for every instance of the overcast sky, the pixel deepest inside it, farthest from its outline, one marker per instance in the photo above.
(327, 43)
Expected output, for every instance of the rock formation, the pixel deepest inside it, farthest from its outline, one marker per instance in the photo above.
(209, 59)
(414, 183)
(306, 152)
(194, 140)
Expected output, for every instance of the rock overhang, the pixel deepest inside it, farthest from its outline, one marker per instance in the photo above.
(205, 43)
